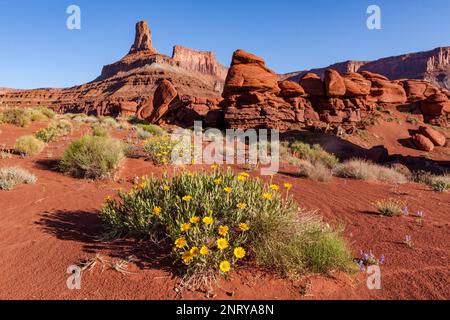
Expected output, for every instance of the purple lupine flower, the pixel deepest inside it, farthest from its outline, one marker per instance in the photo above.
(362, 267)
(382, 259)
(420, 214)
(408, 238)
(405, 211)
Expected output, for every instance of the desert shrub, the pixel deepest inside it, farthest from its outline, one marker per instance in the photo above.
(439, 183)
(99, 131)
(47, 135)
(109, 121)
(152, 129)
(29, 145)
(214, 221)
(92, 157)
(316, 172)
(10, 177)
(47, 112)
(390, 207)
(17, 117)
(364, 170)
(160, 149)
(63, 127)
(313, 154)
(142, 134)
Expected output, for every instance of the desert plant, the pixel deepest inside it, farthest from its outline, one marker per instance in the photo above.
(160, 149)
(439, 183)
(29, 146)
(109, 121)
(63, 127)
(390, 207)
(99, 131)
(17, 117)
(316, 172)
(214, 221)
(92, 157)
(364, 170)
(47, 135)
(152, 129)
(10, 177)
(313, 154)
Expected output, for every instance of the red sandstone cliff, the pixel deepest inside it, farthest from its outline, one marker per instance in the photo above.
(433, 66)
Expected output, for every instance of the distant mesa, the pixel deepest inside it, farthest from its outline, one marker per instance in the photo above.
(433, 66)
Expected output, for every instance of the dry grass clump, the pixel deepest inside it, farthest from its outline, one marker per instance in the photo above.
(11, 177)
(390, 207)
(29, 145)
(365, 170)
(440, 183)
(313, 153)
(315, 172)
(17, 117)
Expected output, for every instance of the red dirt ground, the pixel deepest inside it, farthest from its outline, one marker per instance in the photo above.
(55, 223)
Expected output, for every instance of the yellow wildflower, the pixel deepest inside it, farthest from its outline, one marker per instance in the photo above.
(180, 243)
(185, 227)
(225, 266)
(274, 187)
(218, 181)
(288, 186)
(195, 251)
(222, 243)
(215, 166)
(204, 251)
(268, 196)
(244, 174)
(187, 198)
(157, 211)
(244, 227)
(166, 188)
(223, 230)
(228, 190)
(241, 206)
(208, 220)
(241, 178)
(239, 253)
(195, 219)
(187, 257)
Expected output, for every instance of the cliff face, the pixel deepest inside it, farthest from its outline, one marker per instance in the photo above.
(433, 66)
(200, 61)
(134, 78)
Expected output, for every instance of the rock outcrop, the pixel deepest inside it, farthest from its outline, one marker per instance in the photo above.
(341, 102)
(204, 62)
(126, 85)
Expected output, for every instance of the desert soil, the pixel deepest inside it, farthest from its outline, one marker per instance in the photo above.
(55, 223)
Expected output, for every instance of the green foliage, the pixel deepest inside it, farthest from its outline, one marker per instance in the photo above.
(216, 220)
(152, 129)
(92, 157)
(314, 154)
(17, 117)
(99, 131)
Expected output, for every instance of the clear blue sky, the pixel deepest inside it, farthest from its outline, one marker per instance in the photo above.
(37, 50)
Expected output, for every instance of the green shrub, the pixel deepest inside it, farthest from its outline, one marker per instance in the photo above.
(29, 145)
(159, 149)
(390, 207)
(17, 117)
(438, 183)
(152, 129)
(313, 154)
(316, 172)
(364, 170)
(109, 121)
(92, 157)
(47, 112)
(47, 135)
(99, 131)
(63, 127)
(10, 177)
(214, 221)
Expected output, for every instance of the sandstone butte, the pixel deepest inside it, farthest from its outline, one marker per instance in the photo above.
(191, 85)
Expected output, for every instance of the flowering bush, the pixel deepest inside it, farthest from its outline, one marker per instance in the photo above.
(159, 149)
(216, 221)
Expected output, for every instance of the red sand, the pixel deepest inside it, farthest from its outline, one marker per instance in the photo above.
(53, 224)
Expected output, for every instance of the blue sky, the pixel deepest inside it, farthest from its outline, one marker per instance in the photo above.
(37, 50)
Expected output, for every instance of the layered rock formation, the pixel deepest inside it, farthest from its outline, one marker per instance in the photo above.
(200, 61)
(253, 98)
(129, 84)
(433, 66)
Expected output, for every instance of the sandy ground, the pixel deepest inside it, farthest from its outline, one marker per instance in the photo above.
(46, 227)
